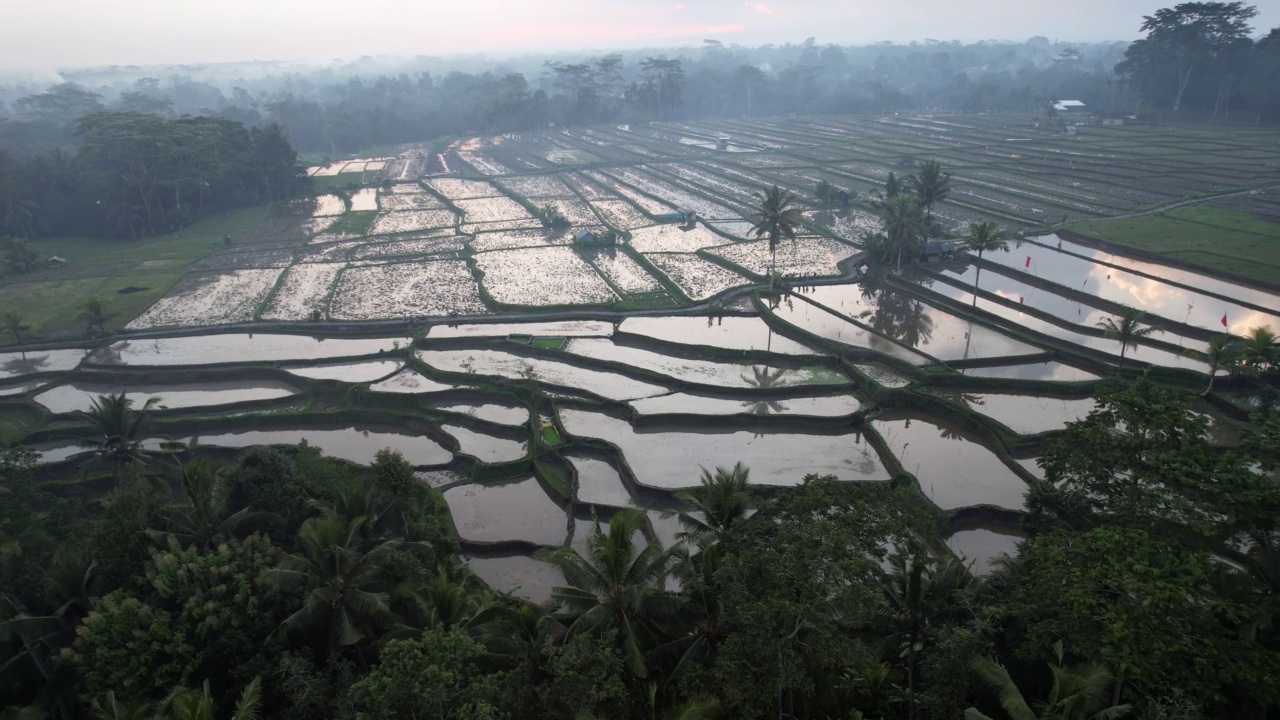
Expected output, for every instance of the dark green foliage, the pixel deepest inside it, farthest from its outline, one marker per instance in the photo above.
(585, 674)
(393, 474)
(1146, 606)
(197, 614)
(1159, 473)
(153, 175)
(436, 676)
(789, 591)
(266, 479)
(120, 546)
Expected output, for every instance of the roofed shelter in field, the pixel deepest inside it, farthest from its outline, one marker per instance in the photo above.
(1069, 106)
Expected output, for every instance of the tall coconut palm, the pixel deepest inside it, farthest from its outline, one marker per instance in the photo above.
(779, 218)
(340, 580)
(930, 185)
(903, 222)
(722, 501)
(1259, 349)
(1222, 353)
(916, 590)
(983, 237)
(14, 323)
(119, 428)
(96, 311)
(1079, 692)
(617, 585)
(1128, 329)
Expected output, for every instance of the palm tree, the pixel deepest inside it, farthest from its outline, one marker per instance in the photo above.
(14, 323)
(107, 707)
(763, 377)
(184, 704)
(1079, 693)
(1223, 353)
(1259, 350)
(930, 185)
(721, 502)
(877, 246)
(983, 237)
(340, 579)
(778, 219)
(617, 585)
(1127, 331)
(96, 311)
(904, 224)
(119, 427)
(892, 189)
(825, 193)
(917, 590)
(206, 514)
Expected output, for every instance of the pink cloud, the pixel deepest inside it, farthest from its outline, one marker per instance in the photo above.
(763, 9)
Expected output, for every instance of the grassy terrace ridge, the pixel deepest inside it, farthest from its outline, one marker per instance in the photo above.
(144, 269)
(1217, 238)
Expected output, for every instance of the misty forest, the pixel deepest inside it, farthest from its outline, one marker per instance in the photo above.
(927, 381)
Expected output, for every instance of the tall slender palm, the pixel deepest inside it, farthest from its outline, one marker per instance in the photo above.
(984, 237)
(1222, 353)
(722, 501)
(1127, 329)
(1079, 692)
(917, 590)
(779, 218)
(930, 185)
(904, 224)
(341, 581)
(617, 585)
(119, 427)
(14, 323)
(1259, 349)
(96, 311)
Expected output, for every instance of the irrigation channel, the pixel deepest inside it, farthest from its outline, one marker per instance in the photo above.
(530, 428)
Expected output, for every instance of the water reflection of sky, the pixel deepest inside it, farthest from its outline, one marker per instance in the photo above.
(916, 324)
(1127, 288)
(1051, 370)
(1036, 298)
(1144, 353)
(1175, 274)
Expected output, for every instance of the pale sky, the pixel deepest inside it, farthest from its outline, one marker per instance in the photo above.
(44, 34)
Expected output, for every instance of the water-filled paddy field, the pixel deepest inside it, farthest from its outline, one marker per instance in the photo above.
(534, 381)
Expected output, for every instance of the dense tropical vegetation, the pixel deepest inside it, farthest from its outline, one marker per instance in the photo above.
(288, 585)
(132, 174)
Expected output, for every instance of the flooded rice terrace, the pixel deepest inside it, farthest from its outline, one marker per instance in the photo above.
(533, 378)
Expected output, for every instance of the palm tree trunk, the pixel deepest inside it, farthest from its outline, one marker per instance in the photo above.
(1213, 374)
(977, 276)
(1121, 365)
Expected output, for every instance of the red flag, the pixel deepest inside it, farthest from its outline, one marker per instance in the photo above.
(1224, 319)
(1028, 261)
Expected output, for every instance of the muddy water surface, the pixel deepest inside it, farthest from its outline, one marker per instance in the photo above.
(673, 460)
(518, 510)
(71, 396)
(355, 443)
(953, 470)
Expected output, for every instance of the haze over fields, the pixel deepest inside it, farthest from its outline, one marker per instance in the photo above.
(83, 33)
